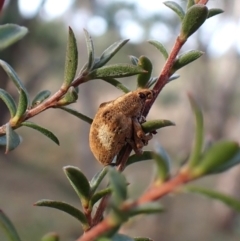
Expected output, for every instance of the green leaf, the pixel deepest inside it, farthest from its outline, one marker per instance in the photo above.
(9, 101)
(13, 76)
(214, 11)
(98, 195)
(65, 207)
(109, 53)
(77, 114)
(146, 155)
(192, 21)
(133, 59)
(199, 133)
(117, 84)
(8, 227)
(90, 49)
(21, 108)
(121, 237)
(185, 59)
(231, 163)
(118, 186)
(70, 97)
(11, 33)
(162, 161)
(146, 64)
(44, 131)
(173, 77)
(79, 183)
(148, 208)
(3, 140)
(50, 237)
(103, 239)
(13, 139)
(116, 71)
(71, 61)
(160, 47)
(176, 8)
(116, 237)
(229, 201)
(96, 180)
(217, 155)
(151, 82)
(40, 97)
(152, 125)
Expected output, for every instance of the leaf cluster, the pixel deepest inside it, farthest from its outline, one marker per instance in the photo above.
(217, 158)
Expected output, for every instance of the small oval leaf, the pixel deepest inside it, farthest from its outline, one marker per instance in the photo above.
(65, 207)
(8, 227)
(176, 8)
(193, 19)
(152, 125)
(11, 33)
(21, 108)
(162, 161)
(71, 61)
(109, 53)
(229, 201)
(116, 71)
(3, 140)
(44, 131)
(151, 82)
(148, 208)
(160, 47)
(173, 77)
(117, 84)
(77, 114)
(142, 239)
(146, 64)
(118, 186)
(79, 183)
(214, 11)
(121, 237)
(146, 155)
(133, 59)
(217, 155)
(98, 195)
(13, 139)
(40, 97)
(9, 101)
(199, 133)
(50, 237)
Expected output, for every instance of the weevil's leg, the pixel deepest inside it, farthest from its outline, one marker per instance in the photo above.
(142, 119)
(137, 148)
(139, 135)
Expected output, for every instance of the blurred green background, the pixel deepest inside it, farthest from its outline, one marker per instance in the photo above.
(34, 170)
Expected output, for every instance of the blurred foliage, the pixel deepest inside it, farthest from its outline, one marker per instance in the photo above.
(41, 67)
